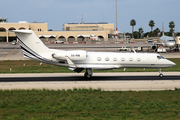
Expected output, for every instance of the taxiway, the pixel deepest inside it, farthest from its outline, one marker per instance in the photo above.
(14, 52)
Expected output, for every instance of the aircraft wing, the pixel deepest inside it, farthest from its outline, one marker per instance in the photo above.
(80, 67)
(69, 61)
(100, 67)
(158, 43)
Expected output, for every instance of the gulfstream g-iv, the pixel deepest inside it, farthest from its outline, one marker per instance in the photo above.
(79, 60)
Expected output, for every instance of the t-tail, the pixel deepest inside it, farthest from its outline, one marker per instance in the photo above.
(30, 43)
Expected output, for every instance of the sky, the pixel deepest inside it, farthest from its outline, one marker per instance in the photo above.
(59, 12)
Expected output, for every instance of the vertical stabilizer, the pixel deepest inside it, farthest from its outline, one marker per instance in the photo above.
(162, 29)
(30, 42)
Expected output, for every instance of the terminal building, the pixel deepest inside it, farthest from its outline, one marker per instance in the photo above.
(72, 32)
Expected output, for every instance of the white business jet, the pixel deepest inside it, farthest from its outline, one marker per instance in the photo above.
(78, 60)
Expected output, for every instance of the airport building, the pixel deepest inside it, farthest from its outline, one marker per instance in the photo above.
(73, 32)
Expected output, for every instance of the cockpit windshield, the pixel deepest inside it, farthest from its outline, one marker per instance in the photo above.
(171, 40)
(160, 57)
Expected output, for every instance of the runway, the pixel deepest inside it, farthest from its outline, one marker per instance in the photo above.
(124, 81)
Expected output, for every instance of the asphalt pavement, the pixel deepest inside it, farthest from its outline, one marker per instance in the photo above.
(106, 81)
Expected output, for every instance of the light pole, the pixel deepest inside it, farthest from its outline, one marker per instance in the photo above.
(116, 17)
(116, 22)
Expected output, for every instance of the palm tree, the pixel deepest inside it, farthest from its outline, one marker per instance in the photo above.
(156, 31)
(132, 23)
(151, 24)
(171, 26)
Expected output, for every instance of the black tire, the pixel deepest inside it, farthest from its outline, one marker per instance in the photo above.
(161, 75)
(85, 74)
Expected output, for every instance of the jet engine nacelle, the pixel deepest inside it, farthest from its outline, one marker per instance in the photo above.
(73, 55)
(153, 47)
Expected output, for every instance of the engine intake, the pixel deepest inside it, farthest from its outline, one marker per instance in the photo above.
(73, 55)
(153, 47)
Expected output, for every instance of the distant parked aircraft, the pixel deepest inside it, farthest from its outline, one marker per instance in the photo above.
(165, 41)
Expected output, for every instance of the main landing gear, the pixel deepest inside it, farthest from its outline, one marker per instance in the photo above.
(160, 74)
(88, 74)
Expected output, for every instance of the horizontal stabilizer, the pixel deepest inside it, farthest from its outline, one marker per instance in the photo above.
(21, 31)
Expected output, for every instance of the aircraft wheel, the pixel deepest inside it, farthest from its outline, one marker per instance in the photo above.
(88, 73)
(85, 74)
(160, 75)
(88, 76)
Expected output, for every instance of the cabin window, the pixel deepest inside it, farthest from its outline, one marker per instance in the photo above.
(130, 59)
(138, 59)
(115, 59)
(122, 59)
(107, 59)
(99, 59)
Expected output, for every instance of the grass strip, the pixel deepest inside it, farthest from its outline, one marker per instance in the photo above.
(82, 103)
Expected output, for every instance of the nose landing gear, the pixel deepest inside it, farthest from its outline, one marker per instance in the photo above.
(160, 74)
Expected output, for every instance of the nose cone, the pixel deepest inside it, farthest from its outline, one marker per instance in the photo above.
(164, 63)
(171, 64)
(170, 44)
